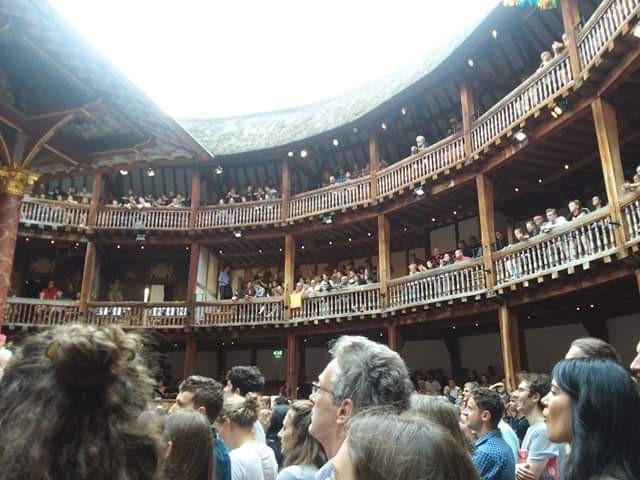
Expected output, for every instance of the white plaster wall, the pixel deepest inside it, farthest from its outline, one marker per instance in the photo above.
(238, 358)
(175, 360)
(548, 345)
(316, 358)
(481, 351)
(469, 227)
(398, 264)
(444, 238)
(418, 252)
(272, 368)
(426, 355)
(624, 334)
(206, 364)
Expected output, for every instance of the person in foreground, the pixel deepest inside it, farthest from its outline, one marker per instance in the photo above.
(382, 444)
(69, 406)
(189, 451)
(303, 455)
(593, 405)
(361, 374)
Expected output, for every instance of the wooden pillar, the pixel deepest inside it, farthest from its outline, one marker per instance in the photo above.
(394, 337)
(222, 364)
(384, 256)
(292, 365)
(87, 278)
(605, 120)
(571, 21)
(453, 346)
(289, 271)
(484, 186)
(96, 197)
(510, 343)
(195, 197)
(285, 188)
(468, 111)
(374, 163)
(254, 356)
(191, 349)
(510, 229)
(192, 278)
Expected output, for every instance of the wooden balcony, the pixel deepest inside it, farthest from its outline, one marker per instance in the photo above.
(110, 218)
(228, 313)
(343, 304)
(240, 214)
(34, 211)
(336, 197)
(139, 315)
(631, 211)
(31, 312)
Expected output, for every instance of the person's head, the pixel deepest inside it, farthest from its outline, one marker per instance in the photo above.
(264, 417)
(519, 234)
(466, 391)
(71, 398)
(420, 141)
(446, 258)
(594, 405)
(298, 446)
(459, 254)
(590, 347)
(484, 379)
(531, 227)
(189, 456)
(575, 206)
(538, 220)
(200, 393)
(361, 374)
(451, 383)
(236, 419)
(533, 387)
(546, 56)
(412, 267)
(381, 445)
(51, 284)
(499, 235)
(242, 380)
(442, 412)
(596, 202)
(552, 214)
(436, 252)
(484, 410)
(635, 363)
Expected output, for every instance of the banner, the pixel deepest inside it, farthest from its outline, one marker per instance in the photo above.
(541, 4)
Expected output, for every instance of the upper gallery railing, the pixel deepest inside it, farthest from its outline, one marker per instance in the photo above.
(604, 24)
(53, 213)
(26, 312)
(440, 284)
(255, 311)
(422, 165)
(118, 218)
(534, 92)
(631, 209)
(330, 198)
(139, 315)
(239, 214)
(341, 303)
(573, 243)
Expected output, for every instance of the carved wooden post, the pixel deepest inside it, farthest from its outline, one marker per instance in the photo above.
(289, 272)
(195, 197)
(571, 20)
(191, 349)
(394, 337)
(374, 164)
(292, 365)
(468, 111)
(192, 278)
(484, 186)
(384, 257)
(285, 188)
(510, 343)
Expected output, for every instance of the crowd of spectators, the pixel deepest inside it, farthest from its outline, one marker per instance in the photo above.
(133, 201)
(249, 194)
(343, 174)
(72, 195)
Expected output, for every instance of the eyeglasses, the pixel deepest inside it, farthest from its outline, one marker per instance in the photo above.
(315, 388)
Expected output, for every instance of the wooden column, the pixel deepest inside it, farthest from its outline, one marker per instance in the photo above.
(96, 197)
(384, 256)
(571, 21)
(254, 356)
(289, 271)
(194, 255)
(484, 186)
(453, 346)
(285, 188)
(510, 343)
(191, 349)
(195, 197)
(468, 112)
(222, 364)
(87, 278)
(510, 228)
(292, 365)
(604, 117)
(394, 337)
(374, 163)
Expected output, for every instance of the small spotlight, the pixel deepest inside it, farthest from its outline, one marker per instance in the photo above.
(419, 192)
(383, 126)
(281, 249)
(405, 229)
(259, 250)
(141, 247)
(237, 233)
(219, 170)
(592, 306)
(470, 62)
(494, 33)
(516, 189)
(26, 239)
(368, 234)
(220, 252)
(151, 172)
(520, 136)
(636, 30)
(327, 219)
(335, 142)
(350, 239)
(301, 247)
(52, 242)
(403, 111)
(187, 247)
(118, 247)
(477, 325)
(433, 219)
(290, 154)
(124, 172)
(304, 153)
(453, 328)
(566, 166)
(330, 242)
(577, 309)
(539, 180)
(455, 212)
(77, 244)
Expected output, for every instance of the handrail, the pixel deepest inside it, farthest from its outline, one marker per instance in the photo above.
(253, 311)
(53, 213)
(35, 312)
(349, 302)
(631, 208)
(333, 197)
(139, 315)
(152, 218)
(239, 214)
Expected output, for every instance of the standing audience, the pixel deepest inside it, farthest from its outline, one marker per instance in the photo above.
(189, 455)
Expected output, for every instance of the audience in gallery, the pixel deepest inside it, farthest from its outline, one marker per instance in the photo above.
(344, 174)
(249, 194)
(71, 196)
(634, 185)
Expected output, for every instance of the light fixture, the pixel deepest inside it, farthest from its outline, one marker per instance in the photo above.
(301, 247)
(350, 239)
(141, 247)
(369, 234)
(455, 212)
(516, 189)
(419, 192)
(327, 219)
(477, 325)
(281, 249)
(636, 30)
(118, 247)
(355, 130)
(335, 142)
(187, 247)
(220, 252)
(26, 239)
(304, 153)
(405, 229)
(330, 242)
(433, 219)
(77, 244)
(403, 111)
(494, 33)
(566, 166)
(592, 306)
(539, 180)
(237, 233)
(577, 309)
(470, 62)
(124, 172)
(290, 154)
(259, 250)
(219, 170)
(453, 328)
(520, 136)
(151, 172)
(556, 110)
(383, 126)
(52, 242)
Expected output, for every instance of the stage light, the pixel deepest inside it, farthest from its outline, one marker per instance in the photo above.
(304, 153)
(219, 170)
(520, 136)
(494, 34)
(151, 172)
(335, 142)
(403, 111)
(419, 192)
(124, 172)
(237, 233)
(290, 154)
(470, 62)
(383, 126)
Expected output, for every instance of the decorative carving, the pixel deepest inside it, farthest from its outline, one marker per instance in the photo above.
(16, 180)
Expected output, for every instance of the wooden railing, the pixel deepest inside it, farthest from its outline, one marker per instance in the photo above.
(631, 209)
(53, 213)
(438, 158)
(568, 245)
(139, 315)
(144, 218)
(603, 26)
(521, 102)
(326, 199)
(239, 214)
(440, 284)
(239, 312)
(27, 312)
(343, 303)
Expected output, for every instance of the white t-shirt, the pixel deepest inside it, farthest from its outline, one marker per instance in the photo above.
(258, 432)
(298, 472)
(267, 459)
(434, 387)
(245, 464)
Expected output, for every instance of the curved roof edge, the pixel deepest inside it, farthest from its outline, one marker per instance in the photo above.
(263, 131)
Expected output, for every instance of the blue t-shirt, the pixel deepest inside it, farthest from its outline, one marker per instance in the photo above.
(223, 462)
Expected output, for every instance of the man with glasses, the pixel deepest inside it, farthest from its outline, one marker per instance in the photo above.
(538, 458)
(361, 374)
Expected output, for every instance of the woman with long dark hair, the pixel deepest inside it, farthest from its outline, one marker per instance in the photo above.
(187, 435)
(595, 407)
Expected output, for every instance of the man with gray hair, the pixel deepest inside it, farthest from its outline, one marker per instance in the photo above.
(361, 374)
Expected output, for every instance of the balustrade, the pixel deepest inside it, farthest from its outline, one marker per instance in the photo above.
(418, 167)
(255, 311)
(602, 27)
(139, 315)
(574, 243)
(335, 197)
(343, 303)
(632, 215)
(30, 312)
(522, 102)
(144, 219)
(239, 214)
(437, 285)
(53, 213)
